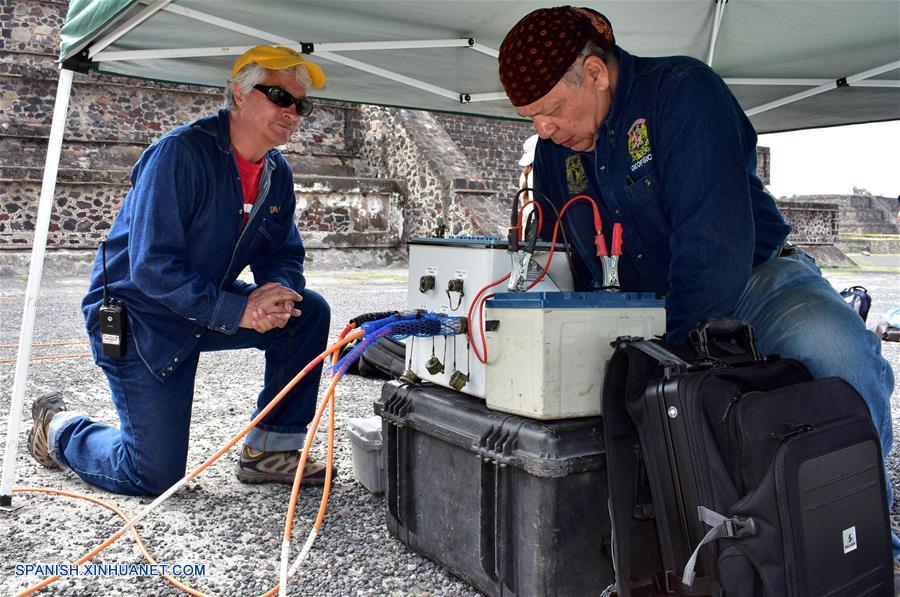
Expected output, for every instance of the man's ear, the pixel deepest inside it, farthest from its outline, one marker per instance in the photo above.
(237, 94)
(597, 71)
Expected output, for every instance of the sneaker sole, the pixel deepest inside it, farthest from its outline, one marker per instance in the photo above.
(256, 478)
(38, 410)
(47, 462)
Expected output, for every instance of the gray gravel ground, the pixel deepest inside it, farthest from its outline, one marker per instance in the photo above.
(233, 529)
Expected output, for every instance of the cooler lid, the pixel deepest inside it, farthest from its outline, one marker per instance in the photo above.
(367, 429)
(576, 300)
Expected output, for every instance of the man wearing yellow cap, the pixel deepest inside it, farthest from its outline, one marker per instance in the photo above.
(207, 200)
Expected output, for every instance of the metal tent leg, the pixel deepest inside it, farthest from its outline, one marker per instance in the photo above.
(48, 186)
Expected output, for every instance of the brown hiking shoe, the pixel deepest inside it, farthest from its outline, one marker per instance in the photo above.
(42, 410)
(278, 467)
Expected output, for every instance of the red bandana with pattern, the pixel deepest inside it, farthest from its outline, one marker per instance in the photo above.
(538, 51)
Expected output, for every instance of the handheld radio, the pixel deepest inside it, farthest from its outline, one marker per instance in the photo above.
(112, 318)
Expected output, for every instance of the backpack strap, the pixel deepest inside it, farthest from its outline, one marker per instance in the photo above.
(736, 526)
(620, 437)
(672, 363)
(627, 374)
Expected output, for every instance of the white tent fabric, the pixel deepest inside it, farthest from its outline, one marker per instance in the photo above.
(791, 63)
(767, 49)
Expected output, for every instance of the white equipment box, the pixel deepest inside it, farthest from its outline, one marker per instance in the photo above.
(547, 352)
(365, 447)
(445, 274)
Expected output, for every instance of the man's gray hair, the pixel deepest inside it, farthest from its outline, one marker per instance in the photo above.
(575, 75)
(253, 73)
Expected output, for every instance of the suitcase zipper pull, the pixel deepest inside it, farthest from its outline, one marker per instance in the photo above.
(734, 400)
(792, 431)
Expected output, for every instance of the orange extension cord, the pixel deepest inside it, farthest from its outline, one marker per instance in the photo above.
(347, 336)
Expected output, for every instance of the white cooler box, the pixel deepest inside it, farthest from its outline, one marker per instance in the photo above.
(547, 351)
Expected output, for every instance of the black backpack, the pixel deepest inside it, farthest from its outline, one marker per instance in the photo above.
(761, 480)
(858, 298)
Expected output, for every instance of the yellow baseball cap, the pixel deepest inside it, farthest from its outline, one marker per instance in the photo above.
(277, 58)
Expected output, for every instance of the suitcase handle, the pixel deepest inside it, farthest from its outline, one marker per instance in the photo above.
(717, 331)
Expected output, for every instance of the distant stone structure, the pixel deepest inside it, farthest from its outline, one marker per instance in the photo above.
(812, 222)
(860, 222)
(366, 177)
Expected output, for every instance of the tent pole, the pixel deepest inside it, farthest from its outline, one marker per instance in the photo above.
(890, 84)
(149, 11)
(45, 205)
(717, 20)
(109, 56)
(272, 38)
(390, 75)
(846, 81)
(229, 25)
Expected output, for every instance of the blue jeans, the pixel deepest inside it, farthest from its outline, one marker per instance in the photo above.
(797, 314)
(147, 453)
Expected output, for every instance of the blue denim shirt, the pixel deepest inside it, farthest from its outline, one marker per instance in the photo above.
(178, 243)
(675, 163)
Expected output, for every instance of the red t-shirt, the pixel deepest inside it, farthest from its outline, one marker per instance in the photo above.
(249, 173)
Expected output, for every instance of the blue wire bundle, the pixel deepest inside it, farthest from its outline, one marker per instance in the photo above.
(397, 327)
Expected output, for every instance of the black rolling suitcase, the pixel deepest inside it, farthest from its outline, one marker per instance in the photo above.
(763, 481)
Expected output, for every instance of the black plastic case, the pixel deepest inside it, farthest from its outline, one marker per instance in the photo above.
(513, 506)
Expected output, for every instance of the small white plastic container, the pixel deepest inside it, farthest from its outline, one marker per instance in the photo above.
(365, 444)
(547, 351)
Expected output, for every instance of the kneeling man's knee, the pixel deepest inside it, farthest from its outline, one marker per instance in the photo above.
(314, 308)
(159, 478)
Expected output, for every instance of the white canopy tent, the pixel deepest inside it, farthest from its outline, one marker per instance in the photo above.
(792, 64)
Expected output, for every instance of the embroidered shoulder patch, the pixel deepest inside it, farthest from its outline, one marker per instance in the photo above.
(639, 144)
(575, 176)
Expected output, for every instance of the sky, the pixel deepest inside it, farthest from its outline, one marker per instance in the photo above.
(834, 160)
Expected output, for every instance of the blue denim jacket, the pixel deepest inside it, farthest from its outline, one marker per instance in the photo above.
(178, 243)
(675, 163)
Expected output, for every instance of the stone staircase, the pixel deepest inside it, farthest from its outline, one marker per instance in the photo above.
(342, 204)
(365, 177)
(337, 208)
(865, 223)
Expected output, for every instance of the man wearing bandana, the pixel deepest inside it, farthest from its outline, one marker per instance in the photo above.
(666, 150)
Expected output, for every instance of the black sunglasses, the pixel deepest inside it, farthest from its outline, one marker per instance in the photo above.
(283, 99)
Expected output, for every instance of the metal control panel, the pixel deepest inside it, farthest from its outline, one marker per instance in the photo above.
(445, 275)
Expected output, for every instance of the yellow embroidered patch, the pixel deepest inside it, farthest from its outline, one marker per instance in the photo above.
(638, 139)
(575, 176)
(274, 209)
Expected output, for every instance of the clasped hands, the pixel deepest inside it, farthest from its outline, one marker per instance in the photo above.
(270, 306)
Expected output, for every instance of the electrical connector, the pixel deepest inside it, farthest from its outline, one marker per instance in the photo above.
(600, 242)
(512, 240)
(617, 239)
